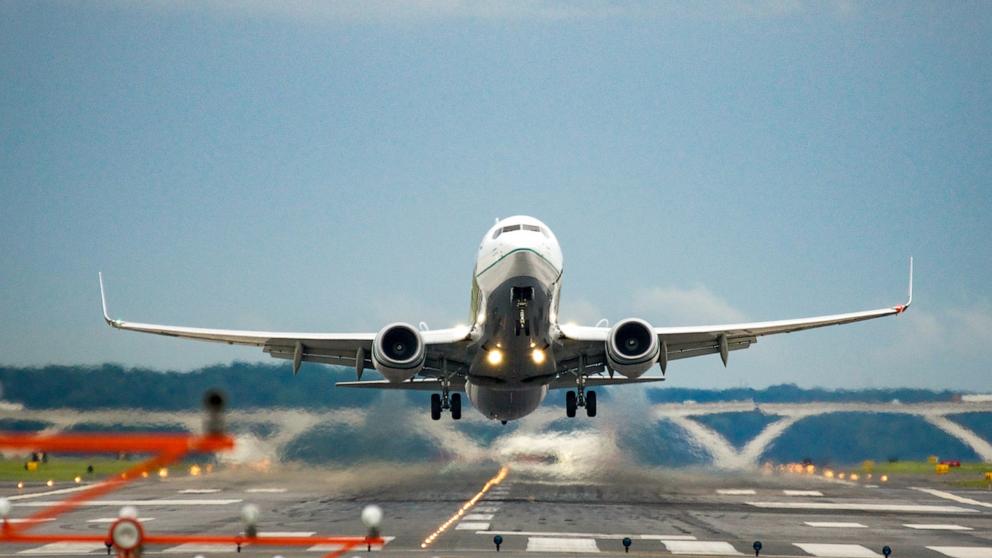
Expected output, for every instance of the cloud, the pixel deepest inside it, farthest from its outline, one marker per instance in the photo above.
(693, 306)
(937, 336)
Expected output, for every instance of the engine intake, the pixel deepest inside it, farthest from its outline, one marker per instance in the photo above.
(398, 352)
(632, 347)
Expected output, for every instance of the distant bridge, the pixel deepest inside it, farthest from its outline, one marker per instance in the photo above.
(725, 455)
(283, 426)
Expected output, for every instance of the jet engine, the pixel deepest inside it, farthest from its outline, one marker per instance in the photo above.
(398, 352)
(632, 347)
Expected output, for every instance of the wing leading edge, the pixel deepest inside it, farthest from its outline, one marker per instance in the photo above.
(686, 342)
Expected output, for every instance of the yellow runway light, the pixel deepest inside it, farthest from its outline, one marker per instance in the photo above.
(466, 506)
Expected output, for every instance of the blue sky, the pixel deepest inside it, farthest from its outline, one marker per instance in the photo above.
(332, 167)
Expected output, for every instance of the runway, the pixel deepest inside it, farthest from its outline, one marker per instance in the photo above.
(673, 512)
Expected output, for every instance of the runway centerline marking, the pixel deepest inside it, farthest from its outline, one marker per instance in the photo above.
(837, 524)
(159, 502)
(937, 526)
(301, 534)
(617, 536)
(199, 491)
(113, 519)
(719, 548)
(854, 506)
(552, 544)
(736, 491)
(954, 497)
(837, 550)
(963, 551)
(503, 471)
(265, 490)
(802, 493)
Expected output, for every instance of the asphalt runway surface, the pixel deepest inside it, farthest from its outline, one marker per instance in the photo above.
(673, 512)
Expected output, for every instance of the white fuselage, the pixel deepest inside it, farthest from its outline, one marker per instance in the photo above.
(515, 288)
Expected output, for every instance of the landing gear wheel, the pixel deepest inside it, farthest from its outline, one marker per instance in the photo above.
(591, 403)
(570, 404)
(435, 406)
(456, 406)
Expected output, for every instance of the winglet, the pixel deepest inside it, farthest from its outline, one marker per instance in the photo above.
(103, 299)
(909, 296)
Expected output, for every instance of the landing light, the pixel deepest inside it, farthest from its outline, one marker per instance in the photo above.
(538, 356)
(495, 357)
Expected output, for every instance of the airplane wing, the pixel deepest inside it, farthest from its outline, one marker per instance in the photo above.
(327, 348)
(691, 341)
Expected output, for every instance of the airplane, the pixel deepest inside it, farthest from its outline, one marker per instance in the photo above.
(514, 350)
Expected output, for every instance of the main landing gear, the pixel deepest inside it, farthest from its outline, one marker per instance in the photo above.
(580, 398)
(447, 402)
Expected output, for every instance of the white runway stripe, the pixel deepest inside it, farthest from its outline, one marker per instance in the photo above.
(66, 548)
(854, 506)
(336, 547)
(616, 536)
(472, 526)
(486, 509)
(200, 491)
(838, 550)
(552, 544)
(113, 519)
(954, 497)
(963, 551)
(477, 517)
(701, 547)
(29, 520)
(265, 490)
(301, 534)
(837, 524)
(736, 491)
(802, 493)
(937, 526)
(48, 493)
(194, 548)
(161, 502)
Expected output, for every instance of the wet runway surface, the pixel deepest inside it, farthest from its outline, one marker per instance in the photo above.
(663, 512)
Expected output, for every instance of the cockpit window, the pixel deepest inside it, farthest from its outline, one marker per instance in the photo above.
(511, 228)
(534, 228)
(496, 233)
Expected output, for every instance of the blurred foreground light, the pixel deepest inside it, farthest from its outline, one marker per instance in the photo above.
(78, 479)
(249, 514)
(50, 482)
(128, 512)
(841, 476)
(494, 357)
(372, 516)
(5, 507)
(810, 469)
(854, 476)
(194, 470)
(884, 478)
(126, 535)
(20, 485)
(163, 472)
(828, 473)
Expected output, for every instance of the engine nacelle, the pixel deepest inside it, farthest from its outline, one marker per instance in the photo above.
(632, 347)
(398, 352)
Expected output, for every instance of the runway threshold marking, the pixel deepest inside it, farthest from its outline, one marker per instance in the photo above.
(963, 551)
(854, 506)
(503, 471)
(472, 526)
(953, 497)
(736, 491)
(802, 493)
(937, 526)
(336, 547)
(837, 524)
(838, 550)
(617, 536)
(553, 544)
(719, 548)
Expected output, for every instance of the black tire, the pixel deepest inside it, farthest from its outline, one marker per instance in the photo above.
(591, 403)
(570, 403)
(456, 406)
(435, 406)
